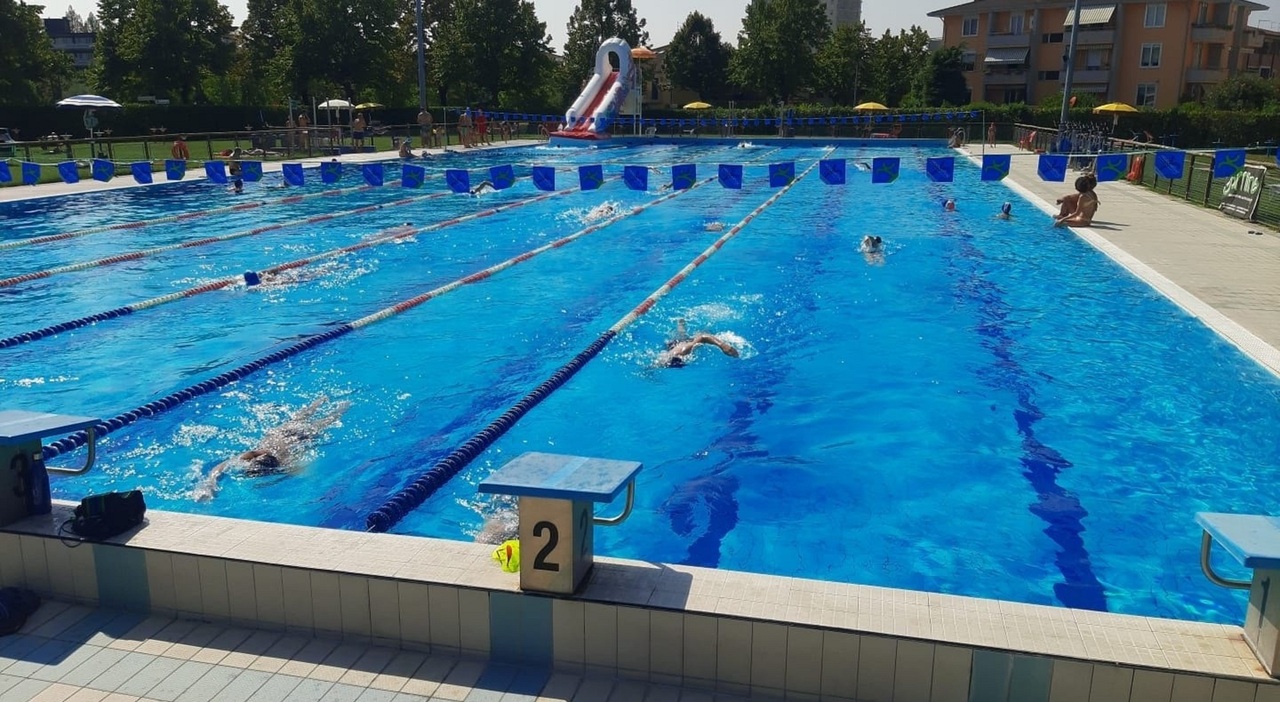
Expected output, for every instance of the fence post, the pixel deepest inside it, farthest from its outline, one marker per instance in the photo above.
(208, 140)
(1208, 183)
(146, 149)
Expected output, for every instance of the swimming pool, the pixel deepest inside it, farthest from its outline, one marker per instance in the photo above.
(997, 411)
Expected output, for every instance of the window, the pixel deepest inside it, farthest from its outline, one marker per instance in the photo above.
(970, 27)
(1146, 95)
(1093, 60)
(1155, 15)
(1015, 24)
(1050, 75)
(1150, 56)
(1055, 38)
(968, 61)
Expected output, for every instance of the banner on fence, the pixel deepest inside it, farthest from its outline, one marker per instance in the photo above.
(1242, 191)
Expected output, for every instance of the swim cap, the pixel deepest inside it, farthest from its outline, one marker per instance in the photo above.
(1006, 207)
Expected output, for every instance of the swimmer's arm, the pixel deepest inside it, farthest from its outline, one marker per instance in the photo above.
(209, 488)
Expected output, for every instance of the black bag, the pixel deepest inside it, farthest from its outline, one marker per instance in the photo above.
(104, 516)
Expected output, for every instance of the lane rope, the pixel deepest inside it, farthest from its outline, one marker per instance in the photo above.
(385, 236)
(186, 216)
(78, 439)
(414, 494)
(156, 250)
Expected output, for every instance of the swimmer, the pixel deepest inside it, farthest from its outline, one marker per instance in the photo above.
(237, 187)
(1006, 211)
(862, 165)
(601, 211)
(949, 206)
(482, 188)
(499, 528)
(714, 226)
(680, 349)
(872, 249)
(276, 453)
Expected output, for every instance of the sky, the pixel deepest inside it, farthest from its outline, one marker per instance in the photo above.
(726, 14)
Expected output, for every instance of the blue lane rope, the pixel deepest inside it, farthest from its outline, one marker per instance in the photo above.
(80, 438)
(65, 326)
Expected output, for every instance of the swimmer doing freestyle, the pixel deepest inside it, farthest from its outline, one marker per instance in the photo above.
(680, 349)
(276, 453)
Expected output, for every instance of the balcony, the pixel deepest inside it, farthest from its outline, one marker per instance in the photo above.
(1091, 37)
(1252, 40)
(1005, 78)
(1008, 40)
(1088, 75)
(1211, 34)
(1206, 75)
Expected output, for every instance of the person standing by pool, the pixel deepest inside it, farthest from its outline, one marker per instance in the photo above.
(304, 135)
(464, 127)
(482, 127)
(276, 453)
(426, 129)
(991, 134)
(233, 169)
(357, 131)
(179, 149)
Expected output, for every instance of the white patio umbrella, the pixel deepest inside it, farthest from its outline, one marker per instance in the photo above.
(89, 103)
(334, 105)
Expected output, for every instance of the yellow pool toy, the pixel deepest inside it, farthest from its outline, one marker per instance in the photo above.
(508, 556)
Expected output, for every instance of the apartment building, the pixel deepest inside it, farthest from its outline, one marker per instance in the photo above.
(1261, 53)
(841, 12)
(1150, 54)
(78, 45)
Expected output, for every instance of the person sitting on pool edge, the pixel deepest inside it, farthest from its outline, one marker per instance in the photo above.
(1086, 205)
(1068, 202)
(276, 452)
(680, 349)
(405, 151)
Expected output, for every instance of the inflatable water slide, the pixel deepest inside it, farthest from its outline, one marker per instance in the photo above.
(591, 116)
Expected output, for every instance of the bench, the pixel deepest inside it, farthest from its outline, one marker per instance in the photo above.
(1254, 541)
(24, 478)
(556, 514)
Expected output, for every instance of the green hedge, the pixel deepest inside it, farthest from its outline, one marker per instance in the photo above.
(1195, 125)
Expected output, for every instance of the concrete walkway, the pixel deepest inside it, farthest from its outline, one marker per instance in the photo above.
(70, 653)
(1206, 262)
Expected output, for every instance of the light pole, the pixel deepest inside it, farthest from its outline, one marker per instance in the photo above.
(1071, 66)
(422, 63)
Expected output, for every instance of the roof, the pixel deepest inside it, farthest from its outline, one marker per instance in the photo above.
(957, 9)
(1006, 55)
(1090, 15)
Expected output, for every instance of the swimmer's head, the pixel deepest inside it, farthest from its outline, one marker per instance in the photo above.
(949, 205)
(264, 461)
(1006, 209)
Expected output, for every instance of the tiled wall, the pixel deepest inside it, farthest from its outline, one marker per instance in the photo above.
(696, 650)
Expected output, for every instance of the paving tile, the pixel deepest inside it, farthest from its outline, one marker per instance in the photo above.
(99, 663)
(120, 672)
(372, 695)
(242, 687)
(210, 684)
(309, 691)
(343, 693)
(49, 653)
(156, 671)
(55, 692)
(177, 682)
(85, 694)
(25, 690)
(276, 689)
(56, 671)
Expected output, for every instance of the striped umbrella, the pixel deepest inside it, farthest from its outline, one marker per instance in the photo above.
(91, 102)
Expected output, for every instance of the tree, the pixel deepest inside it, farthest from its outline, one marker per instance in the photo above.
(896, 64)
(940, 81)
(33, 71)
(1243, 92)
(91, 23)
(267, 35)
(778, 46)
(697, 59)
(160, 47)
(76, 23)
(488, 48)
(346, 45)
(844, 67)
(592, 22)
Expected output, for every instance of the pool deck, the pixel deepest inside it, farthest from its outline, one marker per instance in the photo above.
(1206, 262)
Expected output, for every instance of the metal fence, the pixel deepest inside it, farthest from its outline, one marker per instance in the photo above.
(1197, 183)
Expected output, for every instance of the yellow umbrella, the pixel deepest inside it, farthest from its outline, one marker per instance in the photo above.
(1114, 108)
(368, 106)
(872, 107)
(697, 106)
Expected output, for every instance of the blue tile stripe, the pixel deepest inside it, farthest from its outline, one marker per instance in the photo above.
(1058, 507)
(520, 628)
(122, 577)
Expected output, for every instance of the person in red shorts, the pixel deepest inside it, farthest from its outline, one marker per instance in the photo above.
(482, 128)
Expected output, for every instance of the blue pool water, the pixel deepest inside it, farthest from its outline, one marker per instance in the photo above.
(997, 411)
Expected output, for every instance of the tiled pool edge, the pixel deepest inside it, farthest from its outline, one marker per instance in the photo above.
(733, 632)
(1233, 332)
